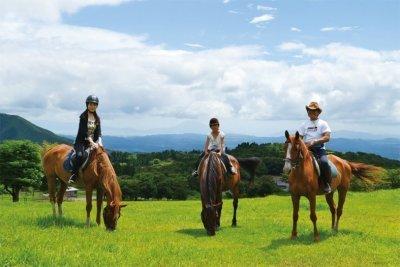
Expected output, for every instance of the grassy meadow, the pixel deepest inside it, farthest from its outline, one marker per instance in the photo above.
(171, 233)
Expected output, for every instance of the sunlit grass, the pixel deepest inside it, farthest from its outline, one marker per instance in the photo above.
(171, 233)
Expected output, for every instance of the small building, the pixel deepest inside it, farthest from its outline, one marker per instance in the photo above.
(71, 192)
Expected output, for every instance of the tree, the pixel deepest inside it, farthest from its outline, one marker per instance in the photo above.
(20, 166)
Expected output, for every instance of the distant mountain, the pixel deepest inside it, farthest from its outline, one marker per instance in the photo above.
(389, 147)
(181, 142)
(15, 127)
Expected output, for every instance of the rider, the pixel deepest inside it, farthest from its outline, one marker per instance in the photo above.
(89, 134)
(316, 132)
(216, 141)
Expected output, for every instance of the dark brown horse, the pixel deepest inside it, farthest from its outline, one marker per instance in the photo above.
(213, 181)
(99, 175)
(211, 177)
(303, 180)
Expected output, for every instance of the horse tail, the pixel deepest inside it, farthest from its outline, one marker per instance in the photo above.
(365, 172)
(250, 165)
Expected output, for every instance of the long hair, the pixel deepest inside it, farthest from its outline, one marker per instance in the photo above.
(85, 115)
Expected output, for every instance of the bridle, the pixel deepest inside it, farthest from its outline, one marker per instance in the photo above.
(295, 162)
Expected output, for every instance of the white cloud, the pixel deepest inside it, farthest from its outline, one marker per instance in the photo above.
(291, 46)
(225, 1)
(262, 18)
(233, 12)
(295, 29)
(194, 45)
(47, 10)
(265, 8)
(47, 70)
(340, 29)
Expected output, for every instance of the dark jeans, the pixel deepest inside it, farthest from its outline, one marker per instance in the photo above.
(224, 158)
(322, 158)
(79, 157)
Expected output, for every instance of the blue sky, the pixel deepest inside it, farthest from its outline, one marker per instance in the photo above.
(214, 24)
(168, 66)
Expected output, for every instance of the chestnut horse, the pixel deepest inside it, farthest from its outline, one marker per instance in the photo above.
(213, 181)
(303, 180)
(99, 174)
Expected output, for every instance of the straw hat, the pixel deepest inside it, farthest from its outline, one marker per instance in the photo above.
(313, 106)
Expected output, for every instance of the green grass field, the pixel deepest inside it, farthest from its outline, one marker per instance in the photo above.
(171, 233)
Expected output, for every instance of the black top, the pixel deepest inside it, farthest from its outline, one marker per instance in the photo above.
(81, 138)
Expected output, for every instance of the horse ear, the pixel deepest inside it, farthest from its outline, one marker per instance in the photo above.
(287, 135)
(297, 135)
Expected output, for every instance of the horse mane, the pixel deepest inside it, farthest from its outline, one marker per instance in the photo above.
(108, 177)
(304, 150)
(212, 177)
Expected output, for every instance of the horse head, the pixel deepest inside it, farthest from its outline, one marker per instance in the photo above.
(111, 214)
(293, 151)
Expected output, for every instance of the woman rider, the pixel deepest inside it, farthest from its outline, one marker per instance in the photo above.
(216, 141)
(89, 134)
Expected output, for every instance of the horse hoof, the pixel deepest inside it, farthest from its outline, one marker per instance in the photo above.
(293, 237)
(316, 239)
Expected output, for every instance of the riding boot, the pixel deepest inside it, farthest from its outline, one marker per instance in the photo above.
(229, 168)
(195, 171)
(326, 175)
(77, 165)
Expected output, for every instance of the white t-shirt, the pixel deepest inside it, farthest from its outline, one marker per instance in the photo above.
(312, 130)
(217, 142)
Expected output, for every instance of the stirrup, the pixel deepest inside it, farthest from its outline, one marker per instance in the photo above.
(327, 189)
(195, 173)
(71, 180)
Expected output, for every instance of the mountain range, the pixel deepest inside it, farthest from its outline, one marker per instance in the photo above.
(15, 127)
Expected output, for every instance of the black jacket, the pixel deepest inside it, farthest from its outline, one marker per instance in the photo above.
(81, 137)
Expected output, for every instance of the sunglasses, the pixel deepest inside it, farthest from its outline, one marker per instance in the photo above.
(215, 124)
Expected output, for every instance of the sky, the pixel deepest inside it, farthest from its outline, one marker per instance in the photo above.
(169, 66)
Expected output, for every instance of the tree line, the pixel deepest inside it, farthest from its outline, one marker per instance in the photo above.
(167, 174)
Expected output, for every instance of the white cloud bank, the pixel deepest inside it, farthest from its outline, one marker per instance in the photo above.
(47, 70)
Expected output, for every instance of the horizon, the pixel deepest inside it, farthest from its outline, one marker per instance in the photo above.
(171, 65)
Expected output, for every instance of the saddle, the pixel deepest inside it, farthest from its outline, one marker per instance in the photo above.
(219, 159)
(334, 170)
(70, 160)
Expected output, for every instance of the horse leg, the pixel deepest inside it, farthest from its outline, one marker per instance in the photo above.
(332, 207)
(342, 199)
(219, 216)
(89, 193)
(296, 203)
(60, 197)
(99, 199)
(235, 204)
(51, 183)
(313, 215)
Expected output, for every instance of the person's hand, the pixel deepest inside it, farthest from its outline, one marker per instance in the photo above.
(94, 145)
(310, 144)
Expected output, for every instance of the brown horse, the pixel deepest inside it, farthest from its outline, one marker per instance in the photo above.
(213, 181)
(99, 174)
(303, 180)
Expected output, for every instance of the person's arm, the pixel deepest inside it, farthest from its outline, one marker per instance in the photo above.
(98, 134)
(222, 145)
(81, 136)
(324, 139)
(206, 146)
